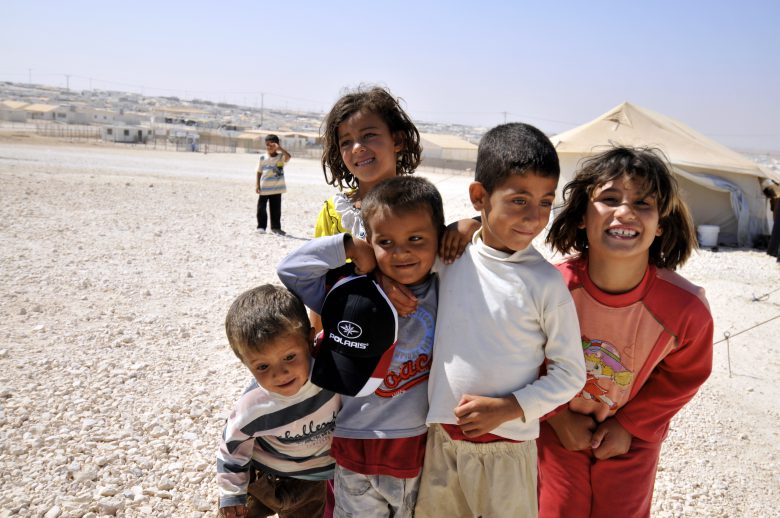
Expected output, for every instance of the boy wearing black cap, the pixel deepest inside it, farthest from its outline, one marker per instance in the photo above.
(380, 433)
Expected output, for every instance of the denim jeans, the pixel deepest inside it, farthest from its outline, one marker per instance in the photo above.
(377, 496)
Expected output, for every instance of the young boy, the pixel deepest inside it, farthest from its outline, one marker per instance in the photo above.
(269, 184)
(282, 426)
(504, 312)
(380, 438)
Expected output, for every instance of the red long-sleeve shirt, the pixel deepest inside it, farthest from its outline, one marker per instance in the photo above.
(648, 350)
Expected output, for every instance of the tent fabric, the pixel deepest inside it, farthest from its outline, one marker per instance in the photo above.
(721, 186)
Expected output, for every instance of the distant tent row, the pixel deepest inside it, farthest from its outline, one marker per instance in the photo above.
(721, 186)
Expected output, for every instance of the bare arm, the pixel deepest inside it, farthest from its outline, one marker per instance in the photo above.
(574, 431)
(456, 237)
(360, 252)
(478, 415)
(611, 439)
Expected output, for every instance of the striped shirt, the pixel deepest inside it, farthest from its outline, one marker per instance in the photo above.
(270, 170)
(283, 436)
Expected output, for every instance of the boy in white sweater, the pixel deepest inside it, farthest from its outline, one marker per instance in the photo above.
(504, 311)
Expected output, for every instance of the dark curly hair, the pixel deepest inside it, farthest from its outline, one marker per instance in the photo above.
(375, 100)
(669, 250)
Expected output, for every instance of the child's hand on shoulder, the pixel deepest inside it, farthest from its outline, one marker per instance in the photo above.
(234, 511)
(575, 431)
(478, 415)
(455, 238)
(402, 298)
(610, 440)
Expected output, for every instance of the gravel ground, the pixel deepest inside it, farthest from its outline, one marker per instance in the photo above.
(118, 266)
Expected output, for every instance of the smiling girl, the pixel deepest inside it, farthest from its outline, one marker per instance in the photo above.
(367, 138)
(629, 229)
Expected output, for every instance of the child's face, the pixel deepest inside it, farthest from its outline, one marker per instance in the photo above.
(516, 212)
(368, 149)
(620, 222)
(404, 243)
(282, 365)
(271, 147)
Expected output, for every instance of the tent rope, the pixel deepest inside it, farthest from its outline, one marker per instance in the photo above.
(727, 335)
(727, 338)
(764, 296)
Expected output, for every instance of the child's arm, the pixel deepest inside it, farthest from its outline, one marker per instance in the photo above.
(456, 237)
(360, 252)
(303, 271)
(400, 296)
(565, 365)
(234, 456)
(610, 439)
(286, 156)
(478, 415)
(673, 382)
(574, 430)
(257, 180)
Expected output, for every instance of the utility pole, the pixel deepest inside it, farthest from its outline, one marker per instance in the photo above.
(29, 76)
(504, 117)
(262, 100)
(67, 81)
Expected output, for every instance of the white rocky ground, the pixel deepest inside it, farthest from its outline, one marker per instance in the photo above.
(117, 267)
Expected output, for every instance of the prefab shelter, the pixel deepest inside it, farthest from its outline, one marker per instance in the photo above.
(721, 186)
(13, 111)
(448, 147)
(44, 112)
(447, 151)
(126, 134)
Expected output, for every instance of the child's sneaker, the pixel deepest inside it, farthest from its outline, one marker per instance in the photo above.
(261, 231)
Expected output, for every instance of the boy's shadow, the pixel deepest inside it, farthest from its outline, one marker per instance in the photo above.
(289, 236)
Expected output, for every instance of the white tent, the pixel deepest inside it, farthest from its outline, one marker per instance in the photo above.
(721, 186)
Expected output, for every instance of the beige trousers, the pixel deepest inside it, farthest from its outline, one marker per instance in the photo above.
(464, 479)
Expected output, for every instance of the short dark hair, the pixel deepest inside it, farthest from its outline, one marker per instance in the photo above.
(403, 194)
(262, 314)
(678, 239)
(373, 100)
(514, 149)
(272, 138)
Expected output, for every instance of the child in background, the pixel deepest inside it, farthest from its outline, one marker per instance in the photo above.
(269, 184)
(380, 439)
(504, 310)
(282, 425)
(646, 335)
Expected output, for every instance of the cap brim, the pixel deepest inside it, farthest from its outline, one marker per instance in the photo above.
(348, 375)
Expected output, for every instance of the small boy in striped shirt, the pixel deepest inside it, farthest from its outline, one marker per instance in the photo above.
(274, 454)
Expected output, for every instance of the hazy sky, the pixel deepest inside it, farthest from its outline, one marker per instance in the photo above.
(714, 65)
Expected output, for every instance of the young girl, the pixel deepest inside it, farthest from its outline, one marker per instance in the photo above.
(368, 138)
(646, 335)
